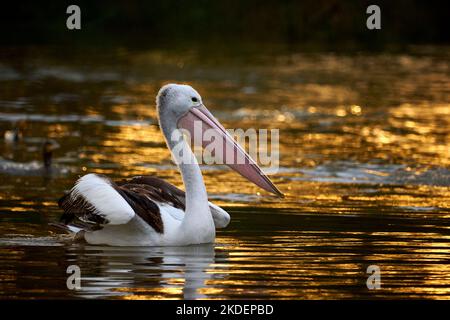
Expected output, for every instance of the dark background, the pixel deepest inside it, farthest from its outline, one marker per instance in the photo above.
(319, 24)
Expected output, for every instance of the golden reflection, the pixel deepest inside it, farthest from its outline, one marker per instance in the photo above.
(363, 164)
(356, 110)
(18, 209)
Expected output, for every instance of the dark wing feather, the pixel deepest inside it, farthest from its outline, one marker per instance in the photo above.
(165, 192)
(159, 190)
(141, 199)
(79, 212)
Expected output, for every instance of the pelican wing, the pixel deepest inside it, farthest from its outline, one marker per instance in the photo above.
(164, 192)
(95, 201)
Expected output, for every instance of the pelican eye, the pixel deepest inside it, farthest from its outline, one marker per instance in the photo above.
(194, 99)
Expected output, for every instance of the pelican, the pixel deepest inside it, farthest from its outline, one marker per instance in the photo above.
(147, 211)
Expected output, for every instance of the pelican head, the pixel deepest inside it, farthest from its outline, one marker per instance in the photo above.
(181, 107)
(175, 100)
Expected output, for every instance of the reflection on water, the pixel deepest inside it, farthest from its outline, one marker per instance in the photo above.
(364, 164)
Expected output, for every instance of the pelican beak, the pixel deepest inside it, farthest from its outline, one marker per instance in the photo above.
(233, 154)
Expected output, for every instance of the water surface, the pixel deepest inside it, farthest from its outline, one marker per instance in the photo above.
(364, 163)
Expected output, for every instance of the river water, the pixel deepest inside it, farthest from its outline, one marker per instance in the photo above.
(364, 161)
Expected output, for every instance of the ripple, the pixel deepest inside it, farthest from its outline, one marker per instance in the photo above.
(364, 164)
(360, 173)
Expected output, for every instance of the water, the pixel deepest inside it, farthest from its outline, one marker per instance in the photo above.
(364, 164)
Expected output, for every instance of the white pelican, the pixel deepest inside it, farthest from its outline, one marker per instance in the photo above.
(147, 211)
